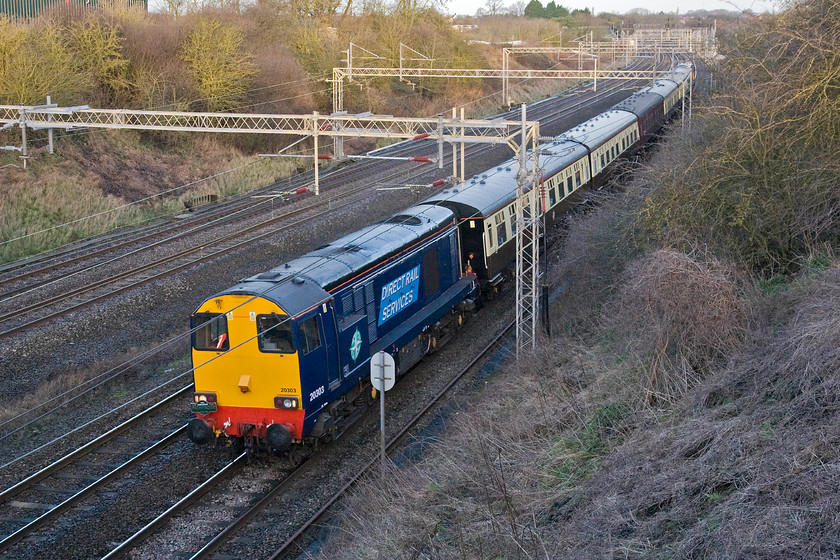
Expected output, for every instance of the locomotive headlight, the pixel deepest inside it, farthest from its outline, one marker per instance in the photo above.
(204, 397)
(286, 402)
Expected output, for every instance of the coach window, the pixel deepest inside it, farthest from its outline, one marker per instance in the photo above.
(577, 179)
(274, 334)
(210, 331)
(501, 230)
(569, 186)
(512, 216)
(310, 338)
(552, 198)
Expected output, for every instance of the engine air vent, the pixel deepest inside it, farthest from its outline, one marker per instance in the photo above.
(405, 220)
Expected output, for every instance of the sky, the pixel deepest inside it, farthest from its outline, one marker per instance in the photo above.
(469, 7)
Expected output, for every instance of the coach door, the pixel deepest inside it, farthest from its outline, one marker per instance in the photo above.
(472, 246)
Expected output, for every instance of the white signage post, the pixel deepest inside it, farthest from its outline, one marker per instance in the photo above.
(383, 373)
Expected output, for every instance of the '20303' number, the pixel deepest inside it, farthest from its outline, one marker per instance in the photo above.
(316, 393)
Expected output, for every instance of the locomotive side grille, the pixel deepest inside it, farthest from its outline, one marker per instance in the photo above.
(358, 300)
(347, 305)
(453, 253)
(371, 312)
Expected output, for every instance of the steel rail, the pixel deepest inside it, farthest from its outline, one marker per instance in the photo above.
(555, 115)
(181, 504)
(73, 500)
(89, 446)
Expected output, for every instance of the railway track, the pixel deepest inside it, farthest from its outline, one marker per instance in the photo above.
(38, 414)
(41, 498)
(244, 533)
(18, 315)
(236, 244)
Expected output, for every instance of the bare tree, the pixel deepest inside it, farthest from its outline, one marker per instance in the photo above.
(517, 8)
(493, 7)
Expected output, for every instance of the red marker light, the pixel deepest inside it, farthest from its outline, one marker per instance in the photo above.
(421, 159)
(324, 156)
(439, 182)
(301, 190)
(421, 136)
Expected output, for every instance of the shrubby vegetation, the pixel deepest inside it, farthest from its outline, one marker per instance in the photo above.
(687, 405)
(270, 57)
(760, 184)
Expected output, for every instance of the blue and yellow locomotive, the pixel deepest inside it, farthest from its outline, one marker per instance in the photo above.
(283, 357)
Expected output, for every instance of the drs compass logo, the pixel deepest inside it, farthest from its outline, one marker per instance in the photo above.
(355, 345)
(399, 294)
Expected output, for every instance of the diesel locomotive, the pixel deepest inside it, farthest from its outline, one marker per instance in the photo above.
(282, 358)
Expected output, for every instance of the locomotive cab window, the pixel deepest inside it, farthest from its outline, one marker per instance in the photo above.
(210, 332)
(274, 334)
(310, 338)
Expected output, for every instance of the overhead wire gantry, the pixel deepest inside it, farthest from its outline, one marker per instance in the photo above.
(518, 135)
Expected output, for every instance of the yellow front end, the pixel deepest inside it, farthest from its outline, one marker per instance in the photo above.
(251, 378)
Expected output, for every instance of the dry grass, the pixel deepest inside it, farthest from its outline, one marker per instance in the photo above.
(554, 463)
(99, 174)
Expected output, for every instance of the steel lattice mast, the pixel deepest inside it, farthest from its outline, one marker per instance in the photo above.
(528, 222)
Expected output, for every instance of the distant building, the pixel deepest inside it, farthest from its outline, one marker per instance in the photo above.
(457, 27)
(27, 9)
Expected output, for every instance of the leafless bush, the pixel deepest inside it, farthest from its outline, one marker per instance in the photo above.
(158, 73)
(682, 315)
(594, 250)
